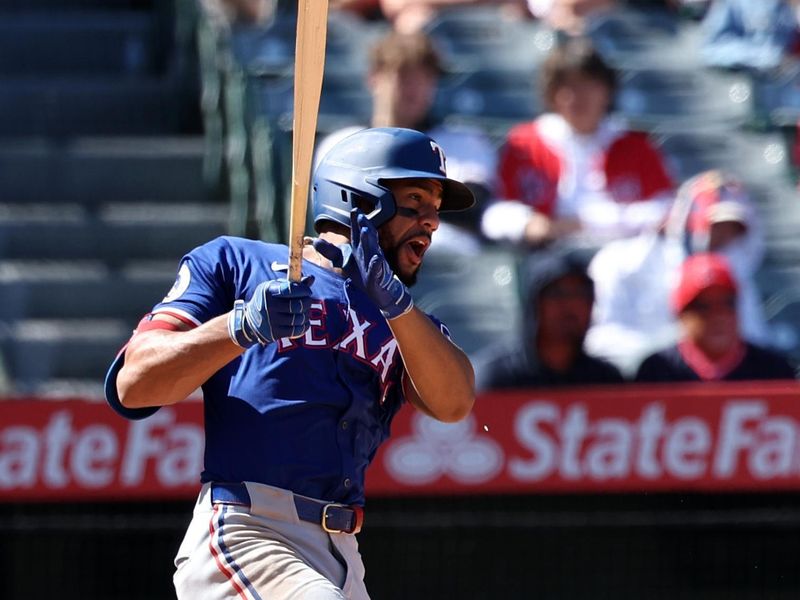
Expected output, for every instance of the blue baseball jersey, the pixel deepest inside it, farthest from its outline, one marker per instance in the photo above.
(306, 414)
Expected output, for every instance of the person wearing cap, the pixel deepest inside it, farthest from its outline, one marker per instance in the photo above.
(634, 277)
(403, 77)
(549, 351)
(710, 348)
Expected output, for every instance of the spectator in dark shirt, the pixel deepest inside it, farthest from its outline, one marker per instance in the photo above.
(711, 347)
(550, 350)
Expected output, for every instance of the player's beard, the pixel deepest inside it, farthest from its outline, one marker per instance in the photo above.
(390, 253)
(391, 249)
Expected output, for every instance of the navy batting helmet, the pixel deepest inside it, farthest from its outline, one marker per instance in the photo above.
(353, 173)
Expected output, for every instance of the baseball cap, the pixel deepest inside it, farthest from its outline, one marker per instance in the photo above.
(728, 210)
(716, 198)
(698, 273)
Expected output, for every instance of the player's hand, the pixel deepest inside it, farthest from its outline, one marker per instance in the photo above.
(278, 308)
(362, 260)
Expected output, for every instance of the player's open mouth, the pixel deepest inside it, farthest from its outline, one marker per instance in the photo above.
(416, 248)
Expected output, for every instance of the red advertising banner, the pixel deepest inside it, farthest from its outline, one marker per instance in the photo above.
(721, 437)
(726, 437)
(80, 450)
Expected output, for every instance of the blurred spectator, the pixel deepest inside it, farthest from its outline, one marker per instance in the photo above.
(575, 170)
(634, 277)
(691, 9)
(366, 9)
(749, 34)
(410, 16)
(711, 347)
(694, 9)
(403, 79)
(227, 13)
(571, 17)
(558, 309)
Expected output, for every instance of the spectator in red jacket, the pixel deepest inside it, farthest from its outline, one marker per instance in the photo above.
(711, 348)
(576, 170)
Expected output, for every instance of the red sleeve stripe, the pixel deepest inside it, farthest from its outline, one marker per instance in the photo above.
(150, 325)
(178, 314)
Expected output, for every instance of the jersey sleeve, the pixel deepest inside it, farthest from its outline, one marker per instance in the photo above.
(440, 326)
(527, 171)
(514, 165)
(638, 157)
(204, 288)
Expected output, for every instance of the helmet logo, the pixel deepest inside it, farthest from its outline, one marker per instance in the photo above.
(437, 149)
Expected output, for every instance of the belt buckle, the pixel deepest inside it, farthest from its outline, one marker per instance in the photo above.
(357, 511)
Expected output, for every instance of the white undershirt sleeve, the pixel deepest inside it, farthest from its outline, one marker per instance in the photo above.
(506, 220)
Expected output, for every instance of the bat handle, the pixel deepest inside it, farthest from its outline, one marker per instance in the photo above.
(296, 259)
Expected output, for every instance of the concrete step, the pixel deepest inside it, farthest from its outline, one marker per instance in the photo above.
(79, 289)
(28, 6)
(113, 105)
(36, 351)
(102, 169)
(62, 388)
(56, 43)
(116, 234)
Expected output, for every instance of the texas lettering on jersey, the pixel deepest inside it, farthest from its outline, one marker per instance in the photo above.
(353, 341)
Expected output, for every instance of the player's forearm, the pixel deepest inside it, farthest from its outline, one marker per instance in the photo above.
(439, 371)
(165, 367)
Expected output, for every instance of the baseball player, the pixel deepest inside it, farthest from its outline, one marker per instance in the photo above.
(301, 380)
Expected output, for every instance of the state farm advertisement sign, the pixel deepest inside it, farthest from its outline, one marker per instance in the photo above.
(75, 449)
(688, 437)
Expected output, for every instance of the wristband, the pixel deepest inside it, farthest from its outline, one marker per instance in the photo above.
(236, 326)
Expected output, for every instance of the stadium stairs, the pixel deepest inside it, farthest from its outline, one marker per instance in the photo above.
(101, 181)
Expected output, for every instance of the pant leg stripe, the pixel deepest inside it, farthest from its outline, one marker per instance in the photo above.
(225, 562)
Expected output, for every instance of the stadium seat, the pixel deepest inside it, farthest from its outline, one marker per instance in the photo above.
(477, 37)
(758, 158)
(780, 211)
(491, 99)
(780, 286)
(476, 314)
(91, 106)
(654, 97)
(269, 51)
(101, 163)
(343, 101)
(35, 351)
(83, 289)
(627, 37)
(57, 43)
(90, 171)
(776, 98)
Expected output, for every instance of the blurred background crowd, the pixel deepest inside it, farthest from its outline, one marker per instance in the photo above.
(609, 142)
(636, 164)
